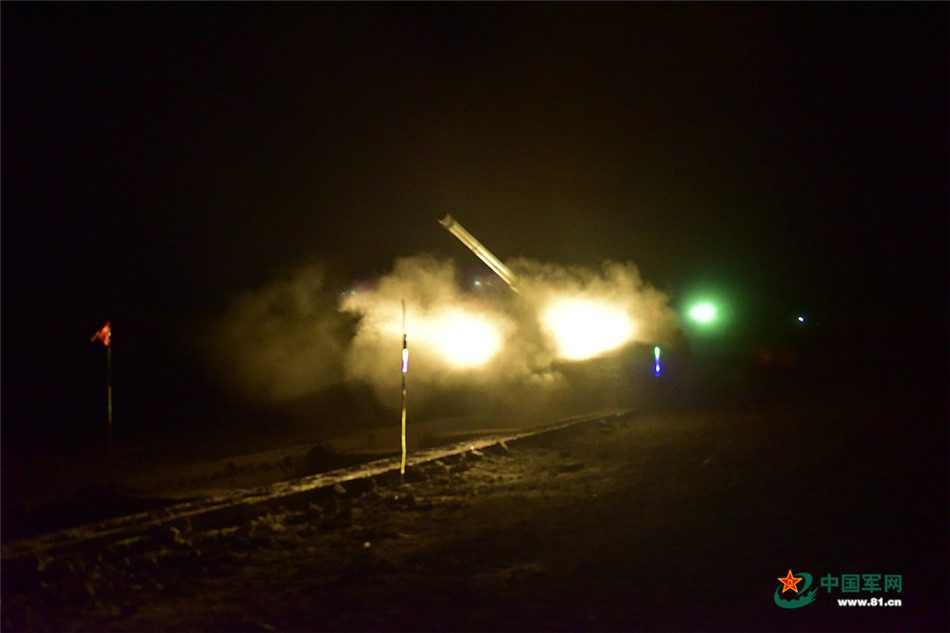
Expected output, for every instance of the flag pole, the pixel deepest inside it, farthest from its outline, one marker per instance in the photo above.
(405, 368)
(104, 334)
(109, 366)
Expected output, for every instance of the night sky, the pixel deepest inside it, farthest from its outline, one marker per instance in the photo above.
(159, 159)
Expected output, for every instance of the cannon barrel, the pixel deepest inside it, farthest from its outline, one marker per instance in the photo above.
(456, 229)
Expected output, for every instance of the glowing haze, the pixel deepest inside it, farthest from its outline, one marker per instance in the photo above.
(453, 336)
(587, 312)
(583, 328)
(463, 340)
(294, 336)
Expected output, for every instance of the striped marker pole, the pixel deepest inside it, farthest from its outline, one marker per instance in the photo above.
(405, 368)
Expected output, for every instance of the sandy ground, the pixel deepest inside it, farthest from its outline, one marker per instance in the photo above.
(662, 520)
(69, 487)
(206, 477)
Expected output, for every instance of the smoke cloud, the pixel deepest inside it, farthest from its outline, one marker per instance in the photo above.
(616, 285)
(283, 341)
(292, 338)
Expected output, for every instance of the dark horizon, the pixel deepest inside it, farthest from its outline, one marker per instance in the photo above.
(160, 160)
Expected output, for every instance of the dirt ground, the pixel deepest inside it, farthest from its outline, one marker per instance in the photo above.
(662, 520)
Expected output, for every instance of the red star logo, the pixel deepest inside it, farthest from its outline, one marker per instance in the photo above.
(790, 582)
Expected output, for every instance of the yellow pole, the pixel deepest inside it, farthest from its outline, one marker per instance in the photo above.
(405, 368)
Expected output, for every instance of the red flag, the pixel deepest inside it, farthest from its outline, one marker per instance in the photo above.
(104, 335)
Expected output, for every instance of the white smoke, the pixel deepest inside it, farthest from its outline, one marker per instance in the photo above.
(435, 309)
(614, 284)
(293, 337)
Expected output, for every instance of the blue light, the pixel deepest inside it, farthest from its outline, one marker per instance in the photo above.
(801, 319)
(656, 364)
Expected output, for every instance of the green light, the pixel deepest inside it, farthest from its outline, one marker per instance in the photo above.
(704, 312)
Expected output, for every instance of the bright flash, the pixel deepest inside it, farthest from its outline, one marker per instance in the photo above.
(704, 312)
(584, 328)
(462, 339)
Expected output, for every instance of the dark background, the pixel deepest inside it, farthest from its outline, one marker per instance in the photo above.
(157, 159)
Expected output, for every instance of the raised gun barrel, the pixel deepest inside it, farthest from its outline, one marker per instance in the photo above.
(456, 229)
